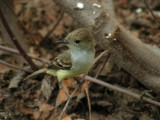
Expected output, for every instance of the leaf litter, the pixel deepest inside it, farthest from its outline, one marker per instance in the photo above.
(39, 99)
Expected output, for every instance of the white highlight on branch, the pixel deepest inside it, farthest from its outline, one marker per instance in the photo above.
(139, 10)
(80, 5)
(115, 39)
(108, 36)
(96, 5)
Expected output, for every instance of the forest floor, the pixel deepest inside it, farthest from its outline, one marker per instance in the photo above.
(41, 98)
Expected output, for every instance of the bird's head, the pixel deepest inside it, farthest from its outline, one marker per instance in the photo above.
(80, 39)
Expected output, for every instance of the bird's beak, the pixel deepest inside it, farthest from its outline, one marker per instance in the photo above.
(63, 41)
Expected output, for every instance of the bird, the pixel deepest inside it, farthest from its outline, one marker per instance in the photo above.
(78, 59)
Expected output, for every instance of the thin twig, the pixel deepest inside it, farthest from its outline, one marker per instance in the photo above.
(102, 66)
(121, 90)
(67, 103)
(12, 50)
(55, 25)
(89, 101)
(155, 18)
(99, 56)
(99, 71)
(16, 43)
(13, 66)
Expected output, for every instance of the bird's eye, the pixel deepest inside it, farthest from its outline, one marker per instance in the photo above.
(77, 41)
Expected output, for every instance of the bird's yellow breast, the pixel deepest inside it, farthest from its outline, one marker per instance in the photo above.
(64, 74)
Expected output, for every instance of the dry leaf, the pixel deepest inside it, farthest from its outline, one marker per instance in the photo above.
(44, 112)
(145, 117)
(4, 68)
(46, 107)
(16, 79)
(25, 110)
(80, 119)
(67, 118)
(96, 116)
(46, 87)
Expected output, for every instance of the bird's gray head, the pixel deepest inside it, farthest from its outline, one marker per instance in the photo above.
(81, 39)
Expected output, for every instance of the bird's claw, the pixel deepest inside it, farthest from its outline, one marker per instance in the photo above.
(69, 98)
(78, 82)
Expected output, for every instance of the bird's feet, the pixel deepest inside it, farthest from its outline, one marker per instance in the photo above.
(78, 82)
(69, 98)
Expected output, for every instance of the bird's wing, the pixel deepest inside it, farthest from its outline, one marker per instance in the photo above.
(62, 61)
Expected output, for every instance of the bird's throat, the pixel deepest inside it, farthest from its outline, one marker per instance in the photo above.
(82, 60)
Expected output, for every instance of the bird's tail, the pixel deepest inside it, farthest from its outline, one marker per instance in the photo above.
(51, 72)
(36, 73)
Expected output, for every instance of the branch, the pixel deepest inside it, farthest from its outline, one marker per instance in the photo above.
(13, 66)
(100, 82)
(16, 43)
(12, 50)
(153, 15)
(139, 59)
